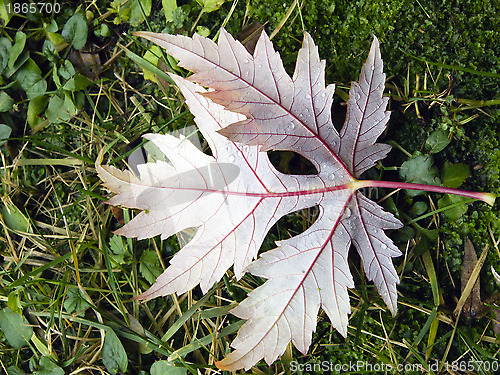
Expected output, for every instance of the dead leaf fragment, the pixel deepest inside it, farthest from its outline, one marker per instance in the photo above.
(86, 61)
(473, 303)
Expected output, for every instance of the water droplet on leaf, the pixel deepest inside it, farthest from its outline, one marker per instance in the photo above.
(347, 213)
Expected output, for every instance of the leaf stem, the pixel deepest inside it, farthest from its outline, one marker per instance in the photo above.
(485, 197)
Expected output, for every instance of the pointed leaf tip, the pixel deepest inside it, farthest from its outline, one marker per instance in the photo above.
(153, 37)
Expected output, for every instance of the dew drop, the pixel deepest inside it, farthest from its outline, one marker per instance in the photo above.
(323, 95)
(324, 166)
(246, 61)
(331, 177)
(291, 126)
(347, 213)
(372, 67)
(383, 246)
(231, 158)
(308, 96)
(358, 96)
(228, 148)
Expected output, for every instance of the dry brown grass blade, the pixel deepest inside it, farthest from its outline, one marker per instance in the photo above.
(467, 290)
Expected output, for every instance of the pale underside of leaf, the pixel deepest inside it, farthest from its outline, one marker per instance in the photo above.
(365, 222)
(366, 117)
(230, 213)
(258, 107)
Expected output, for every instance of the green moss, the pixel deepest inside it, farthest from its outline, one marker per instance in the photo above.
(435, 31)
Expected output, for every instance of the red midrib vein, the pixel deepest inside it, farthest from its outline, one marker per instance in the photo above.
(264, 195)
